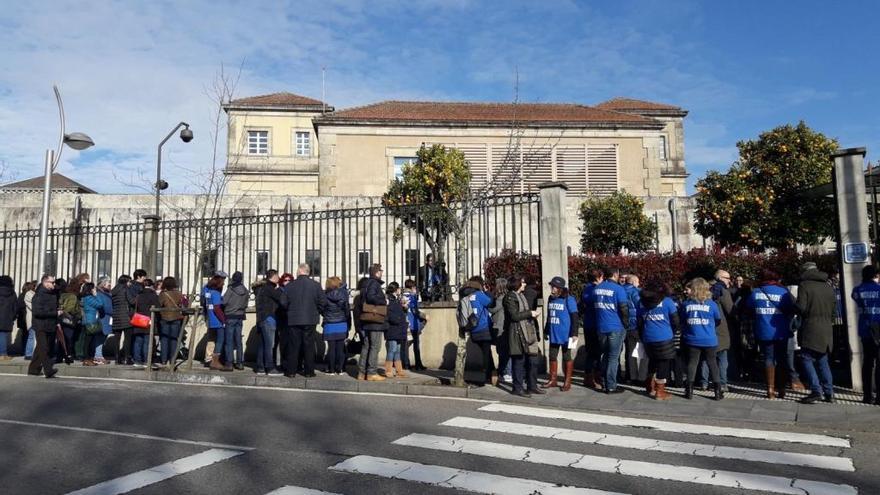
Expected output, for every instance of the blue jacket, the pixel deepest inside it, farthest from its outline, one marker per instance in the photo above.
(772, 307)
(562, 320)
(588, 314)
(412, 315)
(107, 301)
(656, 322)
(212, 298)
(867, 298)
(92, 307)
(337, 314)
(698, 322)
(480, 302)
(635, 296)
(396, 320)
(606, 300)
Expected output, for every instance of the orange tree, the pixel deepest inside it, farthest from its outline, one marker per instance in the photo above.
(758, 203)
(612, 223)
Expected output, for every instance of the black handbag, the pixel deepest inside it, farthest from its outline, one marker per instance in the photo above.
(354, 345)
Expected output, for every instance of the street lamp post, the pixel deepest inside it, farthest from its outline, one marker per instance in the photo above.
(151, 246)
(75, 140)
(186, 135)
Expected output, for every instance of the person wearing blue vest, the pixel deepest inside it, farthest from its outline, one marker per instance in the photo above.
(771, 307)
(700, 315)
(867, 298)
(611, 306)
(560, 327)
(636, 369)
(212, 301)
(480, 334)
(417, 320)
(657, 323)
(591, 335)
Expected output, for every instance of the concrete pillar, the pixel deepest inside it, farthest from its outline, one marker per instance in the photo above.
(554, 249)
(151, 245)
(853, 242)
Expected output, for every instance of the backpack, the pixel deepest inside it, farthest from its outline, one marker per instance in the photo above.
(465, 314)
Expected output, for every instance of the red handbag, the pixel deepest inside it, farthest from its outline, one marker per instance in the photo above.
(140, 321)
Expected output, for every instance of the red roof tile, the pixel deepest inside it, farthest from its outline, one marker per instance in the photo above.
(276, 100)
(630, 104)
(487, 113)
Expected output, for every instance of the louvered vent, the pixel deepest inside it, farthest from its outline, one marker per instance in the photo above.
(537, 167)
(571, 168)
(477, 157)
(602, 169)
(505, 170)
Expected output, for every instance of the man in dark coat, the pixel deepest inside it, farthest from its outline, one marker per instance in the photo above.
(817, 305)
(122, 312)
(431, 280)
(8, 314)
(371, 293)
(721, 295)
(304, 301)
(45, 311)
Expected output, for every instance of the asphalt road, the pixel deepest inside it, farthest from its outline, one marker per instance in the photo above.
(104, 436)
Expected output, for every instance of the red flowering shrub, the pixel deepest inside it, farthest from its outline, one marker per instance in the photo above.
(674, 269)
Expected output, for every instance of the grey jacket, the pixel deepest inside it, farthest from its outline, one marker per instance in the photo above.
(235, 301)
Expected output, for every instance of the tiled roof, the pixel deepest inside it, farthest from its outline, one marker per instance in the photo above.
(58, 182)
(487, 113)
(632, 105)
(276, 100)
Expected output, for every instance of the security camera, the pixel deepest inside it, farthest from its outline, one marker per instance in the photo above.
(186, 135)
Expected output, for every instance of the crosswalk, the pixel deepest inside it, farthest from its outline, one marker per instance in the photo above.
(781, 450)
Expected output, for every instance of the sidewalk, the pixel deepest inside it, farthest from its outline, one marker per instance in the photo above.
(743, 403)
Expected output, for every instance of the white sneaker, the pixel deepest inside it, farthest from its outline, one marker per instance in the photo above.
(508, 379)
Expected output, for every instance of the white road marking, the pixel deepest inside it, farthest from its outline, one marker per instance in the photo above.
(638, 443)
(158, 473)
(460, 479)
(298, 490)
(611, 465)
(694, 429)
(126, 434)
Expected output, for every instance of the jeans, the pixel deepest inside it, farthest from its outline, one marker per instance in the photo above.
(301, 341)
(93, 343)
(775, 352)
(169, 332)
(139, 348)
(266, 349)
(392, 350)
(234, 328)
(525, 372)
(4, 342)
(368, 361)
(822, 382)
(610, 343)
(31, 343)
(335, 356)
(722, 369)
(223, 347)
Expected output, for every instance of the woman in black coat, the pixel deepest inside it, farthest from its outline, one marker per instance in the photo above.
(8, 313)
(142, 304)
(523, 336)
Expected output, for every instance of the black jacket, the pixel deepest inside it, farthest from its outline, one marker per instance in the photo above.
(373, 294)
(338, 309)
(304, 300)
(8, 307)
(721, 295)
(143, 302)
(21, 313)
(44, 309)
(268, 301)
(817, 305)
(397, 325)
(121, 310)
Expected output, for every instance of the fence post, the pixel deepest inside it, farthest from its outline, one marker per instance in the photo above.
(151, 244)
(853, 242)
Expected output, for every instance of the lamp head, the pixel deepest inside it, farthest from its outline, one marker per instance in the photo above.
(78, 141)
(186, 134)
(161, 185)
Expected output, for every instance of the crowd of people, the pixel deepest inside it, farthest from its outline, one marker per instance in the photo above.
(632, 333)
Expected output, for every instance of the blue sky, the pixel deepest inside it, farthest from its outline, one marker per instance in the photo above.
(129, 71)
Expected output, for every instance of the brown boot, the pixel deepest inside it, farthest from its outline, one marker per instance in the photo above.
(389, 369)
(649, 386)
(375, 378)
(589, 379)
(554, 368)
(798, 386)
(569, 373)
(362, 376)
(398, 366)
(770, 372)
(661, 394)
(215, 363)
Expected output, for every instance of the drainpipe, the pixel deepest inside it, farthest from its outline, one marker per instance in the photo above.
(674, 218)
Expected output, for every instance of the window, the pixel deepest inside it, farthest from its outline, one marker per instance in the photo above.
(364, 259)
(262, 262)
(412, 262)
(209, 262)
(103, 262)
(313, 259)
(258, 142)
(662, 150)
(399, 162)
(303, 144)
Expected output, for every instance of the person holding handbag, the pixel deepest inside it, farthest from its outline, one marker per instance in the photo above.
(525, 348)
(373, 314)
(71, 317)
(172, 302)
(143, 302)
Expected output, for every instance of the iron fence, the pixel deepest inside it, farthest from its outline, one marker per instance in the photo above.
(340, 242)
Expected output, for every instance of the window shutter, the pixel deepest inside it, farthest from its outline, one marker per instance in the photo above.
(602, 168)
(571, 168)
(477, 156)
(537, 166)
(505, 169)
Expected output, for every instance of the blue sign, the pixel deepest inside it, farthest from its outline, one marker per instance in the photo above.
(855, 252)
